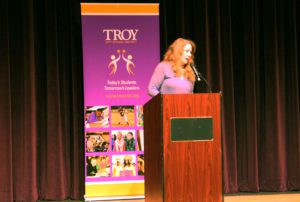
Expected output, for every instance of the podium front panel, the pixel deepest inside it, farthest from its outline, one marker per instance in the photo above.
(187, 170)
(192, 129)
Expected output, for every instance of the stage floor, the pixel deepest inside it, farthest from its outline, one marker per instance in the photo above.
(246, 197)
(240, 197)
(264, 197)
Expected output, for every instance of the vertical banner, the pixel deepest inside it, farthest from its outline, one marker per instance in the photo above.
(120, 51)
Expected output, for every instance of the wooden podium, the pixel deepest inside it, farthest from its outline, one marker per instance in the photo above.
(183, 159)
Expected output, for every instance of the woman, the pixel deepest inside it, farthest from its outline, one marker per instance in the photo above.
(117, 168)
(130, 142)
(174, 74)
(119, 145)
(129, 168)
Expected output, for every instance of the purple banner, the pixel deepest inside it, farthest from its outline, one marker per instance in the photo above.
(120, 52)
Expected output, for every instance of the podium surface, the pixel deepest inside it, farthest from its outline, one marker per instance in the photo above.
(183, 159)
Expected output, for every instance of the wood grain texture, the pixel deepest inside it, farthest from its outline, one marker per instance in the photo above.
(192, 170)
(153, 154)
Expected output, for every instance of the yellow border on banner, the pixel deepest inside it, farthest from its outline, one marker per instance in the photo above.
(114, 190)
(119, 9)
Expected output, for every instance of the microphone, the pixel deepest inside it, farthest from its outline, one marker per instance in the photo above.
(195, 71)
(199, 76)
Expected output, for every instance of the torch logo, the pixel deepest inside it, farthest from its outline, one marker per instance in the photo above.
(113, 65)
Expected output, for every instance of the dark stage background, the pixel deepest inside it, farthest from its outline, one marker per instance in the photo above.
(247, 49)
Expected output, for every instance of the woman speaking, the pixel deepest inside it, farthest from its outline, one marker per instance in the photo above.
(174, 74)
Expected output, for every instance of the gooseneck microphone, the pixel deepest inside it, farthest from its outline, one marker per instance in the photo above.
(199, 76)
(195, 71)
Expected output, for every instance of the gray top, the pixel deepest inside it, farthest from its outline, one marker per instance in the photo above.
(164, 81)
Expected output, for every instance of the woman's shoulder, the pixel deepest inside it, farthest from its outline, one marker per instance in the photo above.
(165, 64)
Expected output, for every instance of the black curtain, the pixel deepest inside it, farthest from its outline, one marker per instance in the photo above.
(248, 50)
(41, 119)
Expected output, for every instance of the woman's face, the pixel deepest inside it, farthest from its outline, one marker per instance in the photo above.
(187, 53)
(98, 113)
(127, 161)
(129, 136)
(93, 162)
(89, 144)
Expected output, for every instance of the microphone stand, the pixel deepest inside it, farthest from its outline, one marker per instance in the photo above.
(206, 82)
(199, 76)
(195, 71)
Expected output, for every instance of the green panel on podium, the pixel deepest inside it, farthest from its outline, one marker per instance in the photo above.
(192, 129)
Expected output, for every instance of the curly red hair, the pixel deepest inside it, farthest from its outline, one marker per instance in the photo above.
(174, 54)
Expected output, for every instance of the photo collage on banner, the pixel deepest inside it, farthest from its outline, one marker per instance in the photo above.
(114, 141)
(120, 51)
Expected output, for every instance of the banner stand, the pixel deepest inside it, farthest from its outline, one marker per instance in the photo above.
(120, 51)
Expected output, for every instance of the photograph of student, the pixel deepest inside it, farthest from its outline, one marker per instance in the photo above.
(119, 144)
(122, 116)
(117, 166)
(130, 141)
(96, 116)
(123, 119)
(97, 142)
(98, 166)
(92, 166)
(129, 166)
(141, 165)
(140, 115)
(103, 163)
